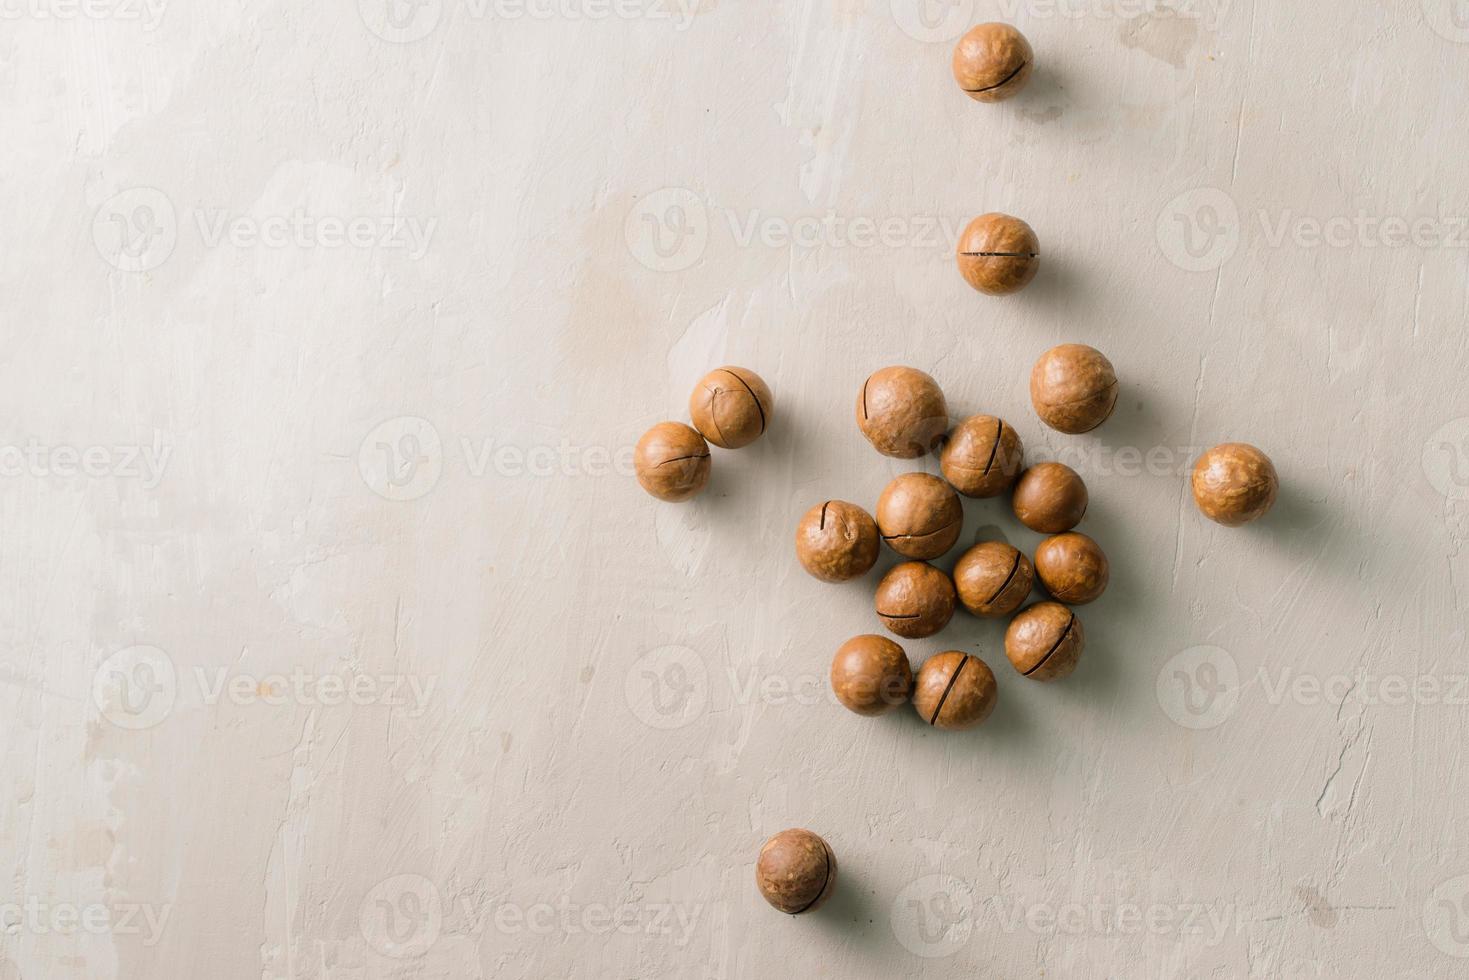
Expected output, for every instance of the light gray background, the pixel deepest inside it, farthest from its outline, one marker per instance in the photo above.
(341, 643)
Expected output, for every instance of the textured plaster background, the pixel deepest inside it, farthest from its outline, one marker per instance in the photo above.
(340, 643)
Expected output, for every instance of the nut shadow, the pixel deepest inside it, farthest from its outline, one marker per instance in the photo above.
(851, 910)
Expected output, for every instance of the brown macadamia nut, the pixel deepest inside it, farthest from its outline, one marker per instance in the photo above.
(915, 600)
(837, 541)
(902, 412)
(1072, 568)
(954, 690)
(993, 579)
(992, 62)
(796, 872)
(1049, 498)
(1073, 388)
(871, 675)
(731, 407)
(998, 254)
(919, 516)
(1045, 641)
(672, 461)
(982, 457)
(1234, 483)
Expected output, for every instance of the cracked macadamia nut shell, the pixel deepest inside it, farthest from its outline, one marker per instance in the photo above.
(954, 691)
(915, 600)
(1072, 568)
(796, 871)
(993, 578)
(1049, 498)
(871, 675)
(1073, 388)
(672, 461)
(982, 456)
(992, 62)
(837, 541)
(1234, 483)
(902, 412)
(919, 516)
(1045, 641)
(731, 407)
(998, 254)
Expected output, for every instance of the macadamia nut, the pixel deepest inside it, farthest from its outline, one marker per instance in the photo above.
(731, 407)
(672, 461)
(1073, 388)
(993, 579)
(1072, 568)
(796, 871)
(915, 600)
(992, 62)
(902, 412)
(1234, 483)
(837, 541)
(998, 254)
(871, 675)
(1044, 641)
(982, 456)
(919, 516)
(955, 691)
(1049, 498)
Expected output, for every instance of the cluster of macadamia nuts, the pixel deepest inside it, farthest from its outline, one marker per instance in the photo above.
(730, 407)
(903, 413)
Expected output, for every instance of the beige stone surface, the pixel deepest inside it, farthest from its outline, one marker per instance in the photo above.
(339, 641)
